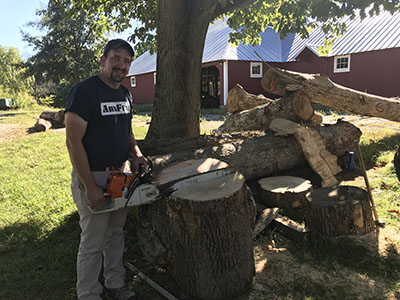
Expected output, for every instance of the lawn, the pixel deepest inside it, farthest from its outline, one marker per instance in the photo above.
(39, 231)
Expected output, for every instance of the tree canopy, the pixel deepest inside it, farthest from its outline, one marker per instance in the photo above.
(247, 17)
(70, 49)
(13, 82)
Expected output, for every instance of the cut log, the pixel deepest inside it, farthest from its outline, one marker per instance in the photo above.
(320, 89)
(55, 117)
(255, 154)
(318, 157)
(259, 117)
(265, 218)
(205, 231)
(302, 106)
(283, 191)
(42, 125)
(289, 228)
(239, 100)
(338, 210)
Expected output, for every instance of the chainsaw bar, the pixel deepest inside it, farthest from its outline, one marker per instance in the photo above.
(146, 193)
(189, 181)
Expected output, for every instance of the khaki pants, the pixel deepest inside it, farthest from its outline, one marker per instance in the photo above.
(102, 237)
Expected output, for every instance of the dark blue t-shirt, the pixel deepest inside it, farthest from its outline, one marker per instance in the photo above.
(108, 114)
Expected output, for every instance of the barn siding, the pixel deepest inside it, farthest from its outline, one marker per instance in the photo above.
(143, 93)
(239, 72)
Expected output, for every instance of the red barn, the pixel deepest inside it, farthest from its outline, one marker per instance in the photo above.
(366, 58)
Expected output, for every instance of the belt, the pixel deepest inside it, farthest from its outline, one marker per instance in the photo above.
(113, 168)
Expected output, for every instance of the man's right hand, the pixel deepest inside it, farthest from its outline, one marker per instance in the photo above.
(94, 195)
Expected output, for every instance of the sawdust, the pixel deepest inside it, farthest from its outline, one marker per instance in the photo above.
(277, 270)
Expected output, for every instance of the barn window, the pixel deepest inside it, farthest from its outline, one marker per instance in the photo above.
(255, 70)
(342, 64)
(133, 81)
(155, 77)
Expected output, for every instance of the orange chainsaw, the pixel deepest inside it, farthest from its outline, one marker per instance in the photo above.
(127, 189)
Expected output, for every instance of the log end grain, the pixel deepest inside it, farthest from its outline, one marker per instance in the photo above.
(284, 191)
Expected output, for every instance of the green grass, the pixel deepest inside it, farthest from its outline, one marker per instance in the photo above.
(39, 230)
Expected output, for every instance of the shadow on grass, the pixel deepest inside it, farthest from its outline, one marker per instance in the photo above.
(39, 268)
(34, 267)
(373, 149)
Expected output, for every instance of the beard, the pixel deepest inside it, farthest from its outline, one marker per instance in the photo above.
(116, 77)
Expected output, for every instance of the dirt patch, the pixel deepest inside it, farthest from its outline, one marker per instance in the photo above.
(11, 132)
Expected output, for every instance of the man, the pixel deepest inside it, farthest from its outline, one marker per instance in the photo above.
(99, 141)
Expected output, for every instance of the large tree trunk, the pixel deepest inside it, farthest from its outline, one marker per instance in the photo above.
(320, 89)
(181, 31)
(203, 232)
(255, 154)
(176, 107)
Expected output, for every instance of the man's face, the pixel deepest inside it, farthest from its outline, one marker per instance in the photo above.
(116, 65)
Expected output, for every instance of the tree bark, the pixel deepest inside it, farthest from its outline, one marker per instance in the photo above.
(320, 89)
(239, 100)
(181, 32)
(255, 154)
(260, 117)
(339, 210)
(203, 232)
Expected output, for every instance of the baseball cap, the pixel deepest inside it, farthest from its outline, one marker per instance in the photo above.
(117, 43)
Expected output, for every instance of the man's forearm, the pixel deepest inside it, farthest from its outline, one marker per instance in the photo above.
(80, 164)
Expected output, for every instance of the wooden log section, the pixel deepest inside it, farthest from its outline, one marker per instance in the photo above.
(239, 100)
(338, 210)
(56, 118)
(205, 233)
(42, 125)
(254, 155)
(283, 191)
(320, 89)
(260, 117)
(318, 157)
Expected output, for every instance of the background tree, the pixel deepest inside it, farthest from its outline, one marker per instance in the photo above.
(68, 52)
(13, 83)
(177, 29)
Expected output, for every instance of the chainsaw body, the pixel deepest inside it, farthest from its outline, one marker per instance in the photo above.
(127, 189)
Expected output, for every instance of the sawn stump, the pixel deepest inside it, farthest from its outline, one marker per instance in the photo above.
(283, 191)
(339, 210)
(202, 234)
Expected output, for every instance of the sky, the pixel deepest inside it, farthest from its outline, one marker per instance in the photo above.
(14, 14)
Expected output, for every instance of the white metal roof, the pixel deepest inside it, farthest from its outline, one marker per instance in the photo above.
(372, 33)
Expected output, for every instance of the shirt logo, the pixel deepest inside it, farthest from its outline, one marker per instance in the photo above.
(115, 108)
